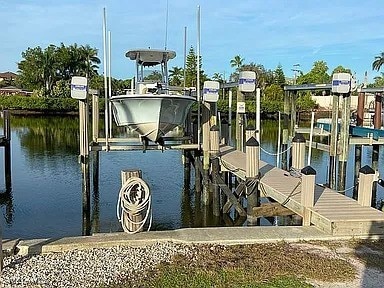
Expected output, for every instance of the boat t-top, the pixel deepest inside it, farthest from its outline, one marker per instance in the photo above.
(151, 109)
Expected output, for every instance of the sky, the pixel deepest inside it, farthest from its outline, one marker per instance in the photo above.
(268, 32)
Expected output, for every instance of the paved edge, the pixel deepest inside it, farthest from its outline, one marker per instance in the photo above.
(214, 235)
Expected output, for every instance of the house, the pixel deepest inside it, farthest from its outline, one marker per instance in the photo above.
(7, 76)
(11, 90)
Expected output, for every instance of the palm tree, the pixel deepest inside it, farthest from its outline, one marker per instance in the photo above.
(217, 77)
(89, 60)
(176, 75)
(237, 62)
(379, 61)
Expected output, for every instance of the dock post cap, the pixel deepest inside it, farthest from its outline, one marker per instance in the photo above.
(252, 142)
(299, 138)
(367, 170)
(214, 128)
(308, 170)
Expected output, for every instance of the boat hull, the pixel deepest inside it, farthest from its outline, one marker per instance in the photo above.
(151, 115)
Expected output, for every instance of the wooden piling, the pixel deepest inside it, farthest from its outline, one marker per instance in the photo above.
(298, 151)
(357, 169)
(344, 142)
(224, 137)
(293, 97)
(308, 179)
(366, 179)
(360, 109)
(333, 142)
(84, 162)
(240, 123)
(214, 151)
(252, 150)
(284, 158)
(95, 117)
(376, 147)
(136, 218)
(249, 133)
(7, 151)
(206, 199)
(187, 168)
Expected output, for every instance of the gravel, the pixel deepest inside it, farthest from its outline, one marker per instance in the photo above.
(86, 268)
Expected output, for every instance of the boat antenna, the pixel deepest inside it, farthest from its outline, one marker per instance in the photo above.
(185, 53)
(105, 76)
(166, 28)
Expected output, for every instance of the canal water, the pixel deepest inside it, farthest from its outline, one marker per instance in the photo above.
(46, 196)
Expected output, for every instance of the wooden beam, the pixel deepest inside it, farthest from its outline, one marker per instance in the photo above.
(231, 197)
(239, 189)
(271, 209)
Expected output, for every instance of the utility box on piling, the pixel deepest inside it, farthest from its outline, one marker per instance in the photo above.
(211, 91)
(341, 83)
(79, 87)
(247, 81)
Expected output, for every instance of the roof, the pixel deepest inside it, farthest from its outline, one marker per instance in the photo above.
(150, 57)
(8, 75)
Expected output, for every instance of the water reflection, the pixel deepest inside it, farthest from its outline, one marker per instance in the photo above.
(6, 200)
(46, 198)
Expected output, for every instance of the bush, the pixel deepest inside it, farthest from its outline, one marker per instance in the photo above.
(40, 104)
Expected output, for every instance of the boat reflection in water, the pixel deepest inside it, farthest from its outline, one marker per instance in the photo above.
(152, 109)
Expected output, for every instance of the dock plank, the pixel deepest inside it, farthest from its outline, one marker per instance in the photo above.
(332, 212)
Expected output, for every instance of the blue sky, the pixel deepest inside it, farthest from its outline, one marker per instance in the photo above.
(269, 32)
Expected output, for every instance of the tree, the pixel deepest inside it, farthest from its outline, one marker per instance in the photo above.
(341, 69)
(379, 81)
(274, 92)
(191, 70)
(237, 62)
(176, 76)
(154, 76)
(317, 75)
(279, 77)
(42, 69)
(378, 62)
(217, 77)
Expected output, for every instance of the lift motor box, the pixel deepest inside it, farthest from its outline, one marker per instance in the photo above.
(211, 91)
(247, 81)
(341, 83)
(79, 87)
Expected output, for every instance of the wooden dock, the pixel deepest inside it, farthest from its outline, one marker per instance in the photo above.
(332, 212)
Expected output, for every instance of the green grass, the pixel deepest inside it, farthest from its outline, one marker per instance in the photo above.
(261, 265)
(174, 277)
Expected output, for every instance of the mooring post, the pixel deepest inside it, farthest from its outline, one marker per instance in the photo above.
(366, 179)
(214, 151)
(224, 132)
(249, 133)
(307, 192)
(95, 116)
(357, 170)
(95, 196)
(293, 112)
(206, 115)
(284, 158)
(333, 144)
(240, 121)
(344, 142)
(252, 158)
(7, 151)
(84, 161)
(298, 151)
(187, 168)
(376, 147)
(358, 148)
(136, 218)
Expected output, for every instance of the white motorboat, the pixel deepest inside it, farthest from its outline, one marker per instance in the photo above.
(152, 109)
